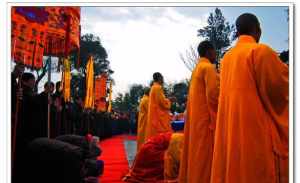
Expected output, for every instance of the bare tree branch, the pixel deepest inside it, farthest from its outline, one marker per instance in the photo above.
(190, 58)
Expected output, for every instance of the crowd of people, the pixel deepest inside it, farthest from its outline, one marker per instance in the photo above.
(236, 121)
(31, 111)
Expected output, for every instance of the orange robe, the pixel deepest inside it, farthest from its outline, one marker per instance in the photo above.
(172, 158)
(251, 137)
(148, 165)
(159, 117)
(142, 121)
(158, 160)
(202, 106)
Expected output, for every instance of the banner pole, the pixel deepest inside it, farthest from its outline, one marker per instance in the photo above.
(49, 97)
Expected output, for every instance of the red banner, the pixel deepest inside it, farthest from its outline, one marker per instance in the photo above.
(28, 35)
(100, 92)
(38, 31)
(62, 30)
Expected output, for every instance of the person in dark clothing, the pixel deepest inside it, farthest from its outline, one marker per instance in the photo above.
(58, 89)
(58, 106)
(77, 114)
(15, 90)
(29, 124)
(16, 97)
(44, 100)
(64, 109)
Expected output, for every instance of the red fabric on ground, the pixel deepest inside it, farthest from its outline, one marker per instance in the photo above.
(130, 137)
(115, 161)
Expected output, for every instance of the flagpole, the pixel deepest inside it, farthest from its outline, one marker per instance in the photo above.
(49, 95)
(18, 107)
(51, 42)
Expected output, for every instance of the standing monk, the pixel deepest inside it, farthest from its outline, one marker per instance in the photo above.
(251, 139)
(159, 109)
(142, 119)
(202, 106)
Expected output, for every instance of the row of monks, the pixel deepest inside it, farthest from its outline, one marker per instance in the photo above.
(236, 122)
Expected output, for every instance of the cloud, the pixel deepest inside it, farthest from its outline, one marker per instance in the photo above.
(143, 40)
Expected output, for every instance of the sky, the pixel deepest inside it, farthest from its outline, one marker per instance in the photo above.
(143, 40)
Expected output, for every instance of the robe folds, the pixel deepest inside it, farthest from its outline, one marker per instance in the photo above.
(159, 117)
(158, 160)
(251, 137)
(142, 121)
(202, 106)
(172, 158)
(148, 165)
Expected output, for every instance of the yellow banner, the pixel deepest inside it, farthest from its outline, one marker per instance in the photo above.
(110, 97)
(89, 96)
(66, 80)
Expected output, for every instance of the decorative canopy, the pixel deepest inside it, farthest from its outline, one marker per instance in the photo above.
(39, 31)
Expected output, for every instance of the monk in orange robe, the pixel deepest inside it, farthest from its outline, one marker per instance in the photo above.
(202, 106)
(159, 117)
(148, 165)
(251, 137)
(142, 119)
(173, 157)
(158, 160)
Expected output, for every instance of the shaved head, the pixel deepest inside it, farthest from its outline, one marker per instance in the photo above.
(158, 77)
(206, 49)
(248, 24)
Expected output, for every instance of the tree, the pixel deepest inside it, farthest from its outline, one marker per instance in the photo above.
(284, 56)
(135, 93)
(218, 31)
(179, 91)
(129, 102)
(89, 45)
(121, 102)
(190, 58)
(42, 72)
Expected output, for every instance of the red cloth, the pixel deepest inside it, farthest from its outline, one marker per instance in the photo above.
(148, 165)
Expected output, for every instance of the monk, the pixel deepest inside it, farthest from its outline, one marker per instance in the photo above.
(158, 160)
(251, 138)
(202, 106)
(173, 157)
(142, 118)
(159, 109)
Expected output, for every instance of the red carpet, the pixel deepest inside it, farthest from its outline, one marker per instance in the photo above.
(115, 161)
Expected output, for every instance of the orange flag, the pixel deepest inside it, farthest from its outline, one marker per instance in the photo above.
(110, 97)
(100, 92)
(89, 96)
(66, 80)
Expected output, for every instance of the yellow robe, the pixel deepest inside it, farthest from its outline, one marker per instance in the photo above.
(251, 137)
(202, 106)
(142, 121)
(172, 158)
(158, 113)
